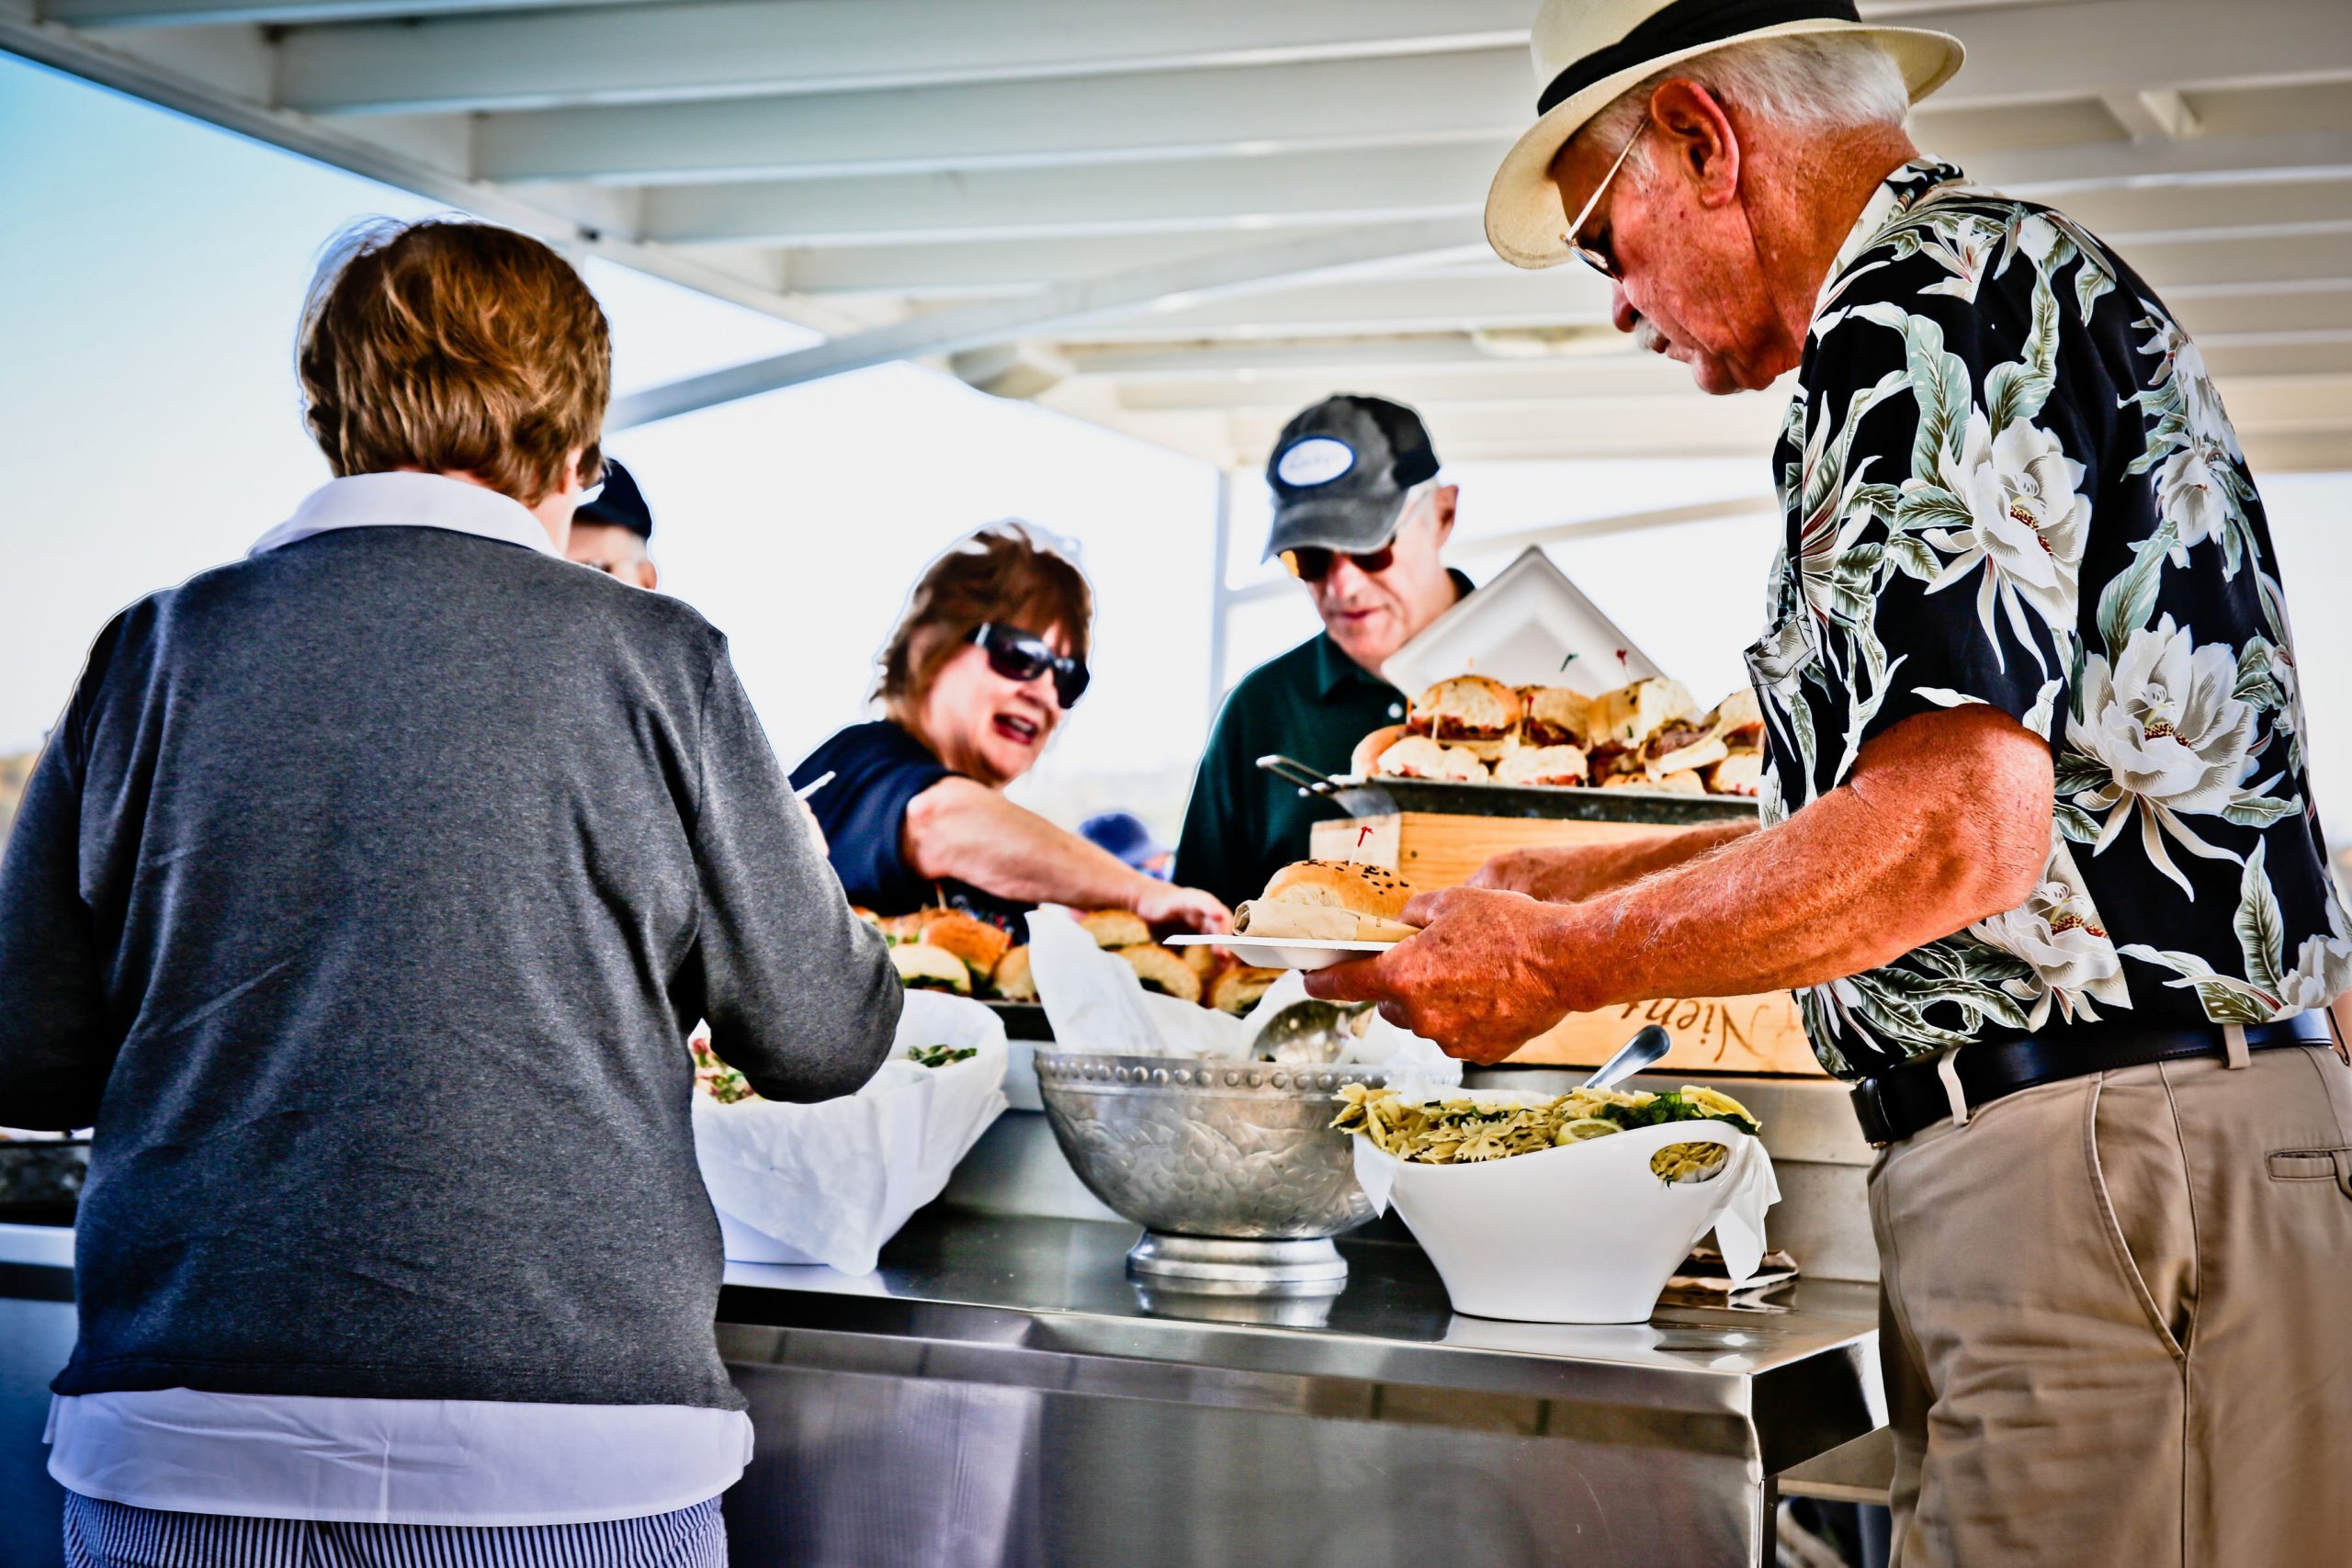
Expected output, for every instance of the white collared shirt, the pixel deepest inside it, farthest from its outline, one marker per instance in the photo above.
(413, 1461)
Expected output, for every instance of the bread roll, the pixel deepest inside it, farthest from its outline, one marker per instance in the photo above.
(1467, 707)
(1012, 980)
(1206, 962)
(1738, 721)
(1543, 765)
(923, 967)
(1742, 772)
(1115, 928)
(1160, 970)
(1623, 719)
(1238, 989)
(1686, 782)
(1418, 757)
(1366, 762)
(1556, 716)
(974, 942)
(1341, 884)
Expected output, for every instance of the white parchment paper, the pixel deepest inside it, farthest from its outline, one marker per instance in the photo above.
(831, 1182)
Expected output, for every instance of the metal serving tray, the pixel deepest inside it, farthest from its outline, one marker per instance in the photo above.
(1550, 802)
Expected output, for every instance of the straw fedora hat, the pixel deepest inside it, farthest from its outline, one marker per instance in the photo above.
(1587, 52)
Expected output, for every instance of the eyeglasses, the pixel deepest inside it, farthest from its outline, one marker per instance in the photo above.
(1023, 656)
(1313, 563)
(1598, 256)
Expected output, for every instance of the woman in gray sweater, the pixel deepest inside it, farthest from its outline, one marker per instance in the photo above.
(363, 899)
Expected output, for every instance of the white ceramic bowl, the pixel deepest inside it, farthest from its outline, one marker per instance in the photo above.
(1585, 1232)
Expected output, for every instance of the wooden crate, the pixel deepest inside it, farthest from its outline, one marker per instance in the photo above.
(1717, 1035)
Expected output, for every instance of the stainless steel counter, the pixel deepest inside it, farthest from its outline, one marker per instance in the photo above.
(1000, 1392)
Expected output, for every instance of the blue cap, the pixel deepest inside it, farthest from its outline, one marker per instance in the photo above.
(1123, 833)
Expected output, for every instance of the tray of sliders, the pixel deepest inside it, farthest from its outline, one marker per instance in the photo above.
(948, 950)
(1644, 753)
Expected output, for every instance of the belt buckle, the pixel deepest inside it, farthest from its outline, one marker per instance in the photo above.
(1870, 1110)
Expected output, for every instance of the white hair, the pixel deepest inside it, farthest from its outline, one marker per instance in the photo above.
(1817, 81)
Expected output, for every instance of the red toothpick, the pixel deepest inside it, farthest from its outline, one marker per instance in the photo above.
(1623, 662)
(1362, 833)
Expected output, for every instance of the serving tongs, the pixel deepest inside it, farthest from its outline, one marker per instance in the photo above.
(1352, 799)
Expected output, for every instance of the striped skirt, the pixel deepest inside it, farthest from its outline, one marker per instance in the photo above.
(115, 1535)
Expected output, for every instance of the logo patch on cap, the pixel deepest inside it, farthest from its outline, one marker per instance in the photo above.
(1317, 460)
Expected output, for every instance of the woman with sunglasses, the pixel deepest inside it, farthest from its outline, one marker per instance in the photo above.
(989, 657)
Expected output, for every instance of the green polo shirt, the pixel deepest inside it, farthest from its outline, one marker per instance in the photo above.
(1314, 703)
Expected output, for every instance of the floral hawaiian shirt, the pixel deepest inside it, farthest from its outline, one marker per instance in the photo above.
(2008, 479)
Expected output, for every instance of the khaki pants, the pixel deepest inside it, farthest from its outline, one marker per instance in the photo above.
(2116, 1321)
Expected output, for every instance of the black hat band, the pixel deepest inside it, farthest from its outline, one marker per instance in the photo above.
(1683, 27)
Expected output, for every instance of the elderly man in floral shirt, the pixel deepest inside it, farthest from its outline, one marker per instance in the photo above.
(2038, 853)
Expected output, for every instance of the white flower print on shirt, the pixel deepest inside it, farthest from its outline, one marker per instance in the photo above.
(2058, 931)
(2025, 531)
(2173, 738)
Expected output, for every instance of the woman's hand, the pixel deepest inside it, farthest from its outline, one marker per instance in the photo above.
(1165, 908)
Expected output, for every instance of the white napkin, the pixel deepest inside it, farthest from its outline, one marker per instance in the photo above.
(1739, 1229)
(1095, 1002)
(831, 1182)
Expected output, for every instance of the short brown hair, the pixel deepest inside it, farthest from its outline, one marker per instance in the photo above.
(454, 346)
(1002, 573)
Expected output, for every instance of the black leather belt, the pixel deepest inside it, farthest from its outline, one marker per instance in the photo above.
(1902, 1100)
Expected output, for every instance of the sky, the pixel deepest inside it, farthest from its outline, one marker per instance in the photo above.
(151, 270)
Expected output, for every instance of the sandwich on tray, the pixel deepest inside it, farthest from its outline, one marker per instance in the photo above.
(1472, 711)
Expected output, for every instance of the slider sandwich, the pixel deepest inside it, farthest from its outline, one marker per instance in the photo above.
(1418, 757)
(1160, 970)
(1237, 990)
(1739, 724)
(1625, 723)
(1543, 765)
(1329, 900)
(1556, 716)
(1013, 980)
(926, 968)
(1472, 711)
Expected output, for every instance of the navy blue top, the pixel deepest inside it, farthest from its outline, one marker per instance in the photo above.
(878, 768)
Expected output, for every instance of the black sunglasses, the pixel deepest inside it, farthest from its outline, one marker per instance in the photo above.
(1023, 656)
(1313, 563)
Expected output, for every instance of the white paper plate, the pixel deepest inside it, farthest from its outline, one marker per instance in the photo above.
(1286, 952)
(1529, 626)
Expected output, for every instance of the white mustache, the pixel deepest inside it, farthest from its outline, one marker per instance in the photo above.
(1647, 338)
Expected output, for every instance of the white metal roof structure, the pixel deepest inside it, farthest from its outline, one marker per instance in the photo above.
(1186, 218)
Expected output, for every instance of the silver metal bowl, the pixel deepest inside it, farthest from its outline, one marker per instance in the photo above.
(1240, 1155)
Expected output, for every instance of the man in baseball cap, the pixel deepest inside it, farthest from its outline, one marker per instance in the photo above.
(1360, 520)
(612, 528)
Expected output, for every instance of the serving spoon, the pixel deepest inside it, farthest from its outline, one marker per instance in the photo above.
(1644, 1047)
(1308, 1033)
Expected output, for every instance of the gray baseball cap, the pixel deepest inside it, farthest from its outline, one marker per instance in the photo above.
(1341, 471)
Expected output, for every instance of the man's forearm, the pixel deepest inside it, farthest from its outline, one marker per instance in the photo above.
(968, 833)
(1840, 887)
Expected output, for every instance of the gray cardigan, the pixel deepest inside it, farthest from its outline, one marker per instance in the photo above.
(363, 899)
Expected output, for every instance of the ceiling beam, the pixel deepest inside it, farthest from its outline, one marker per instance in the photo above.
(1302, 189)
(2128, 219)
(652, 53)
(643, 53)
(279, 12)
(575, 231)
(1308, 189)
(1154, 115)
(1168, 286)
